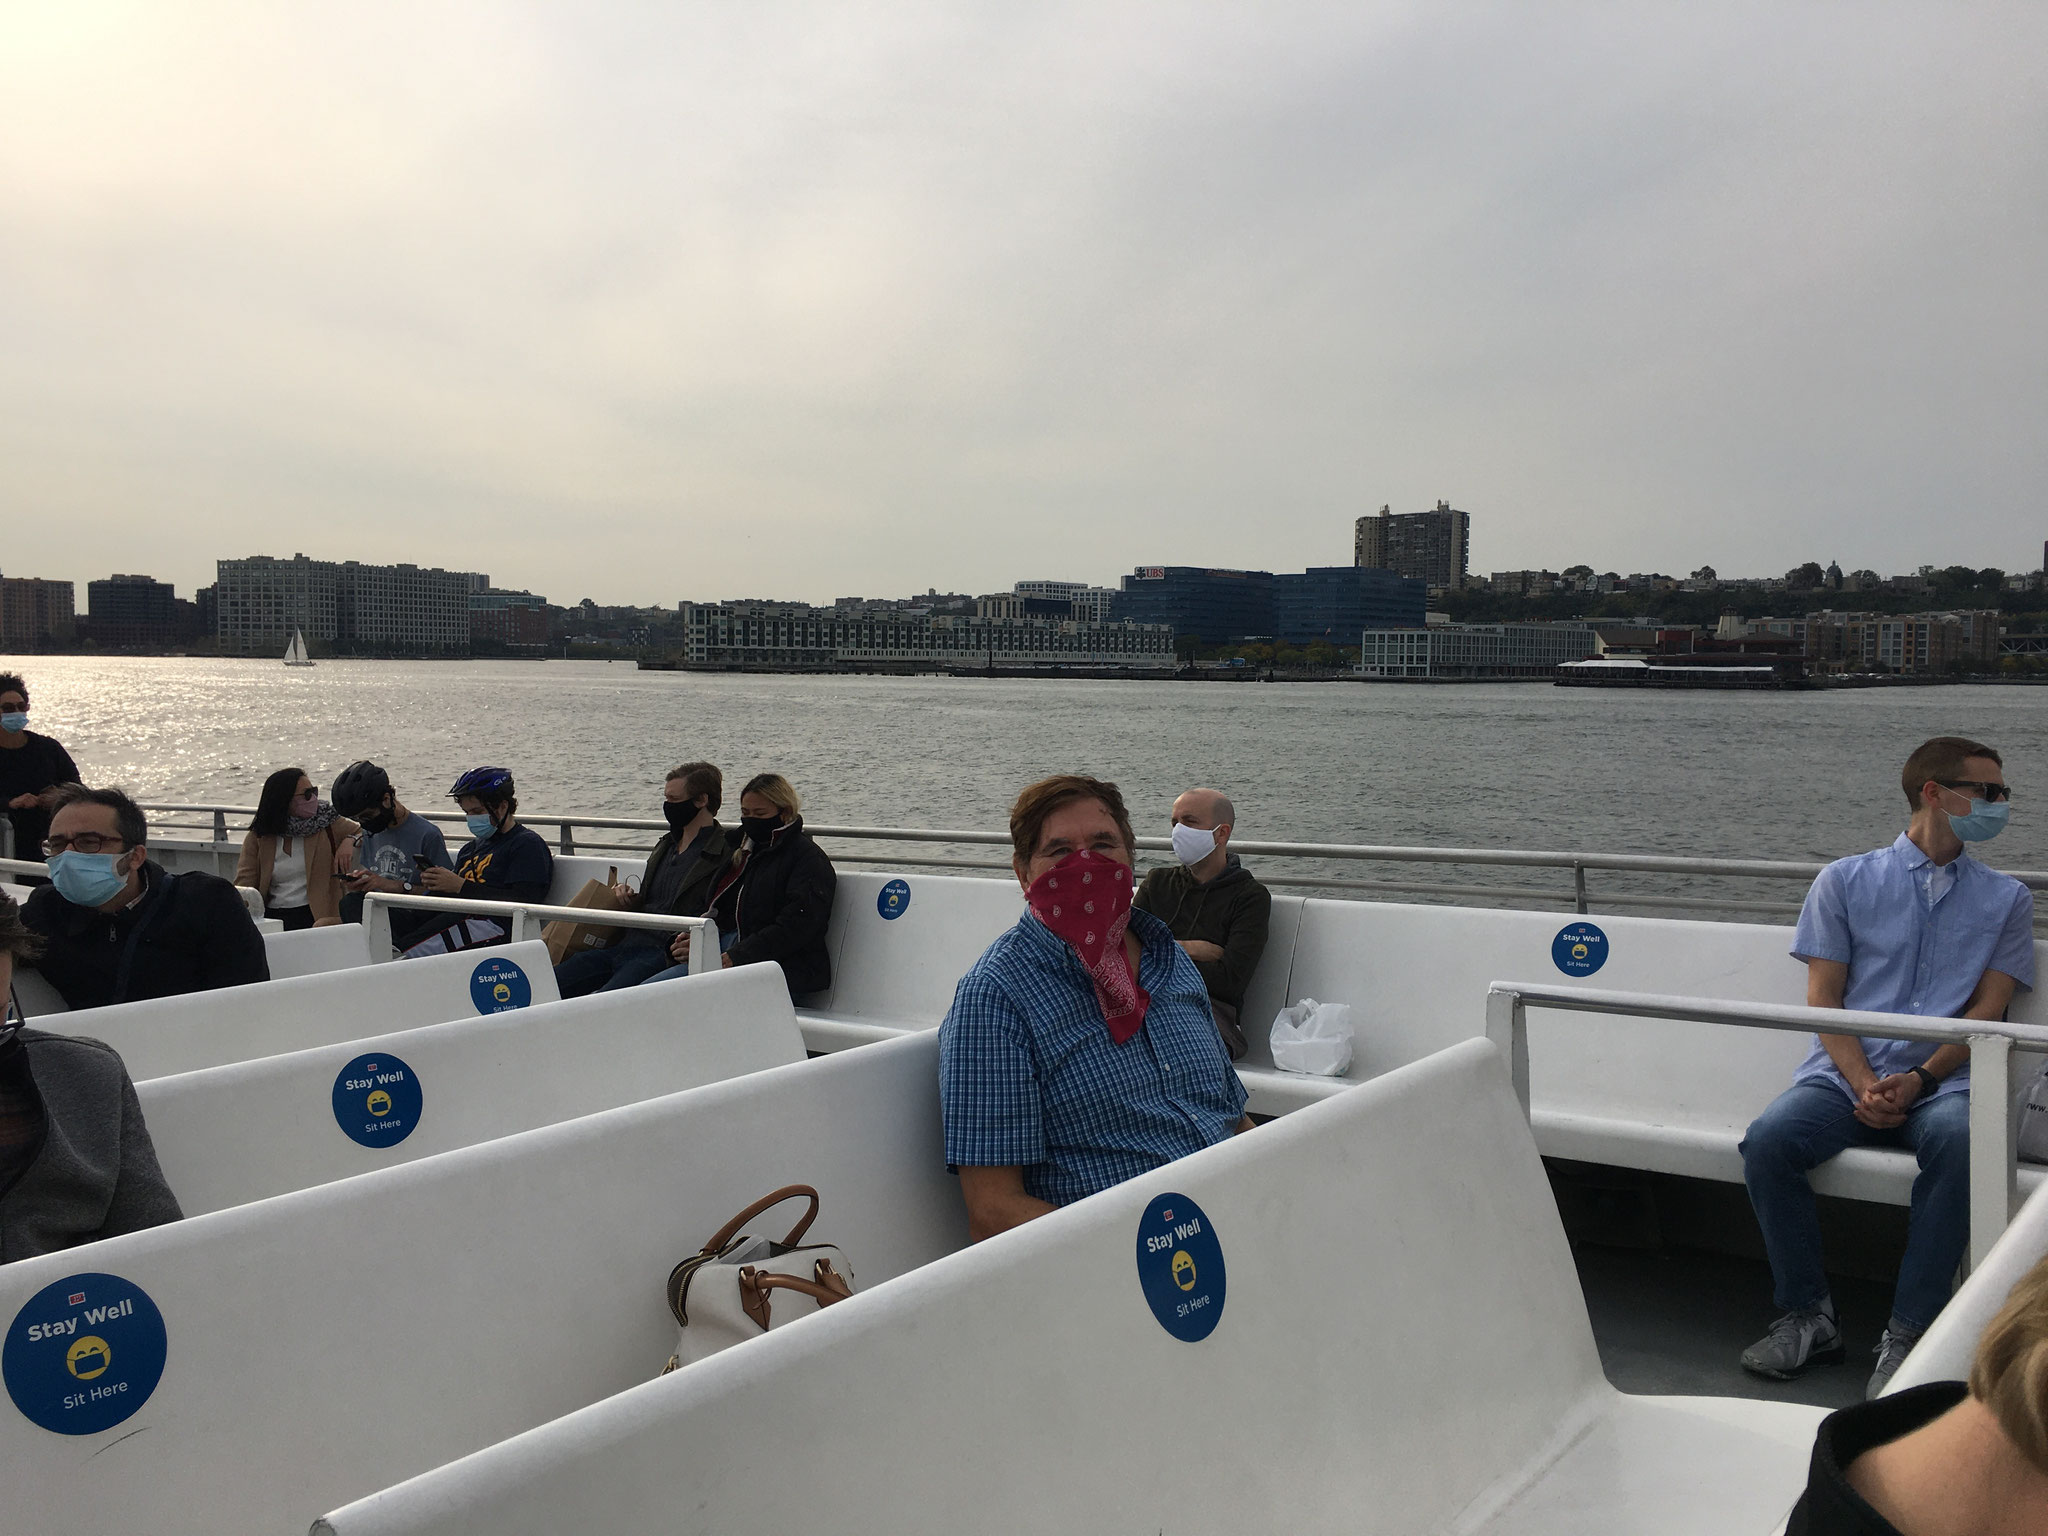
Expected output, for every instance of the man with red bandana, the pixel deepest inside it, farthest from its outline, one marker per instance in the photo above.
(1080, 1050)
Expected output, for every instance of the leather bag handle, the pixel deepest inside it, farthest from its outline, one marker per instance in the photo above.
(755, 1284)
(731, 1229)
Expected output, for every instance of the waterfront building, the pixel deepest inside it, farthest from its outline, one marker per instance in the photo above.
(136, 612)
(1474, 650)
(515, 622)
(344, 606)
(1199, 602)
(1335, 602)
(801, 637)
(1094, 604)
(1434, 547)
(35, 613)
(1524, 583)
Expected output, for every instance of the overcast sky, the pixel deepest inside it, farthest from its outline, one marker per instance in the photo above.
(648, 302)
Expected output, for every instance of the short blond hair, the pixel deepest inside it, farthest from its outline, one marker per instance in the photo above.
(775, 789)
(2010, 1374)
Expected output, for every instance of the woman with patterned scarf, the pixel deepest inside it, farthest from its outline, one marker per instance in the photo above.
(295, 847)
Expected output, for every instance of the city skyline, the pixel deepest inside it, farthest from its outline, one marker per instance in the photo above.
(824, 296)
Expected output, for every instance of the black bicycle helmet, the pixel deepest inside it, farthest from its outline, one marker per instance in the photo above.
(358, 787)
(489, 784)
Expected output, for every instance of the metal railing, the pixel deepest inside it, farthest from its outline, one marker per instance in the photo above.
(573, 834)
(1994, 1171)
(518, 918)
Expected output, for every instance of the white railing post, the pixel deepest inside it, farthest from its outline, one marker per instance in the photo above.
(702, 948)
(1994, 1176)
(376, 928)
(1507, 1026)
(516, 930)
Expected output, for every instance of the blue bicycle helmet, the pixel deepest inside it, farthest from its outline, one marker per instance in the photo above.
(484, 783)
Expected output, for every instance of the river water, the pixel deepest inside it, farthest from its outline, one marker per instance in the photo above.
(1744, 775)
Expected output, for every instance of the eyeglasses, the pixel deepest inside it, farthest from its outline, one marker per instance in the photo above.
(310, 792)
(1985, 790)
(14, 706)
(85, 842)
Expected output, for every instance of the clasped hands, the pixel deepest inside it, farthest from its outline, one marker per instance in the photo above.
(1883, 1105)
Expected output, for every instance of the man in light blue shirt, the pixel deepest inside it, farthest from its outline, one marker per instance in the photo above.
(1919, 927)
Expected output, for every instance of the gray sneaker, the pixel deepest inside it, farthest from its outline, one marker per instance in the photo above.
(1892, 1350)
(1797, 1343)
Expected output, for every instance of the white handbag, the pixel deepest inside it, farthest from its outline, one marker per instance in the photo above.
(726, 1293)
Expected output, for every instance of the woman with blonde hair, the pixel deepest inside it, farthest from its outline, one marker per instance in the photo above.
(773, 899)
(1948, 1456)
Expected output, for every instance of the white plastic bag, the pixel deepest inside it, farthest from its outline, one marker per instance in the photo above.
(2033, 1114)
(1313, 1037)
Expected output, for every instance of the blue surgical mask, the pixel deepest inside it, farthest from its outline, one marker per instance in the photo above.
(1986, 820)
(480, 824)
(86, 879)
(14, 720)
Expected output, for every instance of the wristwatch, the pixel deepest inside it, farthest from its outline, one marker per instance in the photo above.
(1928, 1081)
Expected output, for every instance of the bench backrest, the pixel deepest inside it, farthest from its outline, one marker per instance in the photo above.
(310, 951)
(331, 1342)
(1398, 1327)
(208, 1029)
(232, 1134)
(901, 942)
(1949, 1348)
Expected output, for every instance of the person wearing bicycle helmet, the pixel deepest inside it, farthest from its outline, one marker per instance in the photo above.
(502, 861)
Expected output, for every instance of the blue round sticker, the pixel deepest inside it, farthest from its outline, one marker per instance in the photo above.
(894, 900)
(377, 1100)
(84, 1354)
(1180, 1265)
(498, 986)
(1579, 949)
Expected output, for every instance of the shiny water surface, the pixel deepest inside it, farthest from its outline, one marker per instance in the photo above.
(1794, 776)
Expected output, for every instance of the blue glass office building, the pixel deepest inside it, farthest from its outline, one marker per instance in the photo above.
(1211, 606)
(1337, 603)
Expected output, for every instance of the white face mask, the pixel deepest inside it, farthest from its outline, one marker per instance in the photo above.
(1191, 845)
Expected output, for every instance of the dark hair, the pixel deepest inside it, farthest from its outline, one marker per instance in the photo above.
(274, 805)
(1038, 801)
(700, 779)
(129, 821)
(16, 938)
(1941, 758)
(14, 680)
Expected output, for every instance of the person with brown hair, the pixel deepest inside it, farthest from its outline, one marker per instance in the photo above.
(76, 1163)
(1945, 1457)
(1080, 1050)
(680, 870)
(1918, 927)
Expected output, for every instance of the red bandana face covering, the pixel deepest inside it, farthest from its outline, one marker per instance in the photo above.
(1085, 900)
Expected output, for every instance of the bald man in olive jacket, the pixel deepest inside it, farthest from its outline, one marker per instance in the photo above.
(1215, 908)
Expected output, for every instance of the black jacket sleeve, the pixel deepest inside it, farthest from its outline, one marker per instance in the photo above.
(231, 950)
(802, 915)
(1250, 914)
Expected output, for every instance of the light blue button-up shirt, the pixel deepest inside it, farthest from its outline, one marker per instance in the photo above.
(1917, 937)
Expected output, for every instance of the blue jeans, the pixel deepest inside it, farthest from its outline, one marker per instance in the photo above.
(609, 970)
(1809, 1123)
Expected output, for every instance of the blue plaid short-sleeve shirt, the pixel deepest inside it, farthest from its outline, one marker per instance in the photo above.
(1029, 1077)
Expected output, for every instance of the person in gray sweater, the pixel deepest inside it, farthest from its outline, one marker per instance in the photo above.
(76, 1162)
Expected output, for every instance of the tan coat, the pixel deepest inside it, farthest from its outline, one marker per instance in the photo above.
(259, 857)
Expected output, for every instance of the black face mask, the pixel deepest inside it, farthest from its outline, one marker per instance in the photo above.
(761, 829)
(374, 820)
(680, 814)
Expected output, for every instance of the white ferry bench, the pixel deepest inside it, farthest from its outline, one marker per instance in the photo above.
(164, 1035)
(308, 952)
(327, 1343)
(1400, 1343)
(246, 1131)
(1660, 1096)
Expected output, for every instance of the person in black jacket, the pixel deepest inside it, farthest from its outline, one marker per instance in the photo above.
(688, 858)
(76, 1162)
(117, 928)
(774, 899)
(32, 766)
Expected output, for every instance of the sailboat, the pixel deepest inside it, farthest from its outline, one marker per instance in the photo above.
(295, 653)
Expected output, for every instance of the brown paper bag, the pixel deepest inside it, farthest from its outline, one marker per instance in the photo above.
(566, 938)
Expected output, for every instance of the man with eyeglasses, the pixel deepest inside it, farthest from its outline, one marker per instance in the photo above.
(1919, 927)
(116, 927)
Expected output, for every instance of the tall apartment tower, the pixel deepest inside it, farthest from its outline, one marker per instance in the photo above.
(1434, 547)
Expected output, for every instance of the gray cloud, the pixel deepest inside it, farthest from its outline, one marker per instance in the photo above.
(645, 302)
